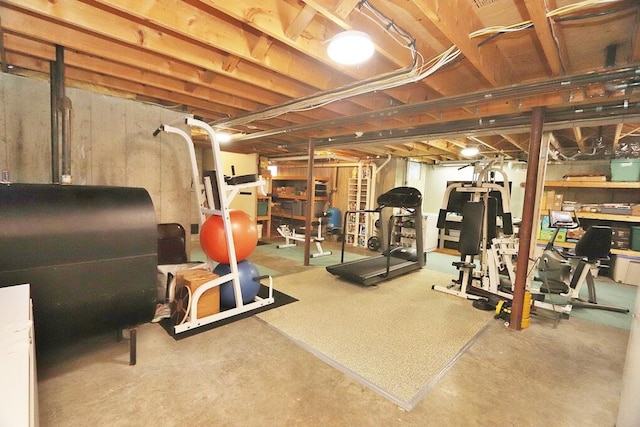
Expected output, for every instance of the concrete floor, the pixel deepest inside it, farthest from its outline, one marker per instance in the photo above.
(246, 373)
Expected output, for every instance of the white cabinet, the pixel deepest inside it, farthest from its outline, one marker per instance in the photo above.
(430, 231)
(17, 358)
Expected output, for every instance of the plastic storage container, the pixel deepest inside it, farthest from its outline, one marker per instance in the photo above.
(635, 238)
(625, 170)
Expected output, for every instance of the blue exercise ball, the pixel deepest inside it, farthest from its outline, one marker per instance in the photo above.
(249, 283)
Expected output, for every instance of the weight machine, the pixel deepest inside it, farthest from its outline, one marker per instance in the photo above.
(561, 273)
(482, 200)
(291, 237)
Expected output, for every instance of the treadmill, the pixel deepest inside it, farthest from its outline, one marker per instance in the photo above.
(394, 261)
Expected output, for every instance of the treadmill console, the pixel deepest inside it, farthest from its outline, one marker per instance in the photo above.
(401, 197)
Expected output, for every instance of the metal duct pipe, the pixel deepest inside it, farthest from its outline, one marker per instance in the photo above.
(489, 125)
(460, 101)
(65, 146)
(56, 83)
(60, 122)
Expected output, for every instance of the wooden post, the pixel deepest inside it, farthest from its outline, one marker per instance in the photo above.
(530, 195)
(309, 207)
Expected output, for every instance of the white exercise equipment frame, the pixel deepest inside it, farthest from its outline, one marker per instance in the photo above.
(226, 193)
(499, 255)
(290, 234)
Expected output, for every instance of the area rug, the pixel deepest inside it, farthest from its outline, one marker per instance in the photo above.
(280, 299)
(397, 337)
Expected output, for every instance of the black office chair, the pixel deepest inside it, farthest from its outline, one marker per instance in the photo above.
(171, 244)
(172, 254)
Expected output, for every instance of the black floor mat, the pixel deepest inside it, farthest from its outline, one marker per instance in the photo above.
(280, 299)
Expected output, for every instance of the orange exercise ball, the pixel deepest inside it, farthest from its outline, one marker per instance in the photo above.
(245, 236)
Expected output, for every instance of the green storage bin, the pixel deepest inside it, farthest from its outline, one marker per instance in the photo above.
(635, 238)
(263, 208)
(625, 170)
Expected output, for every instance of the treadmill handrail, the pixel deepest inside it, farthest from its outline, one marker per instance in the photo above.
(344, 228)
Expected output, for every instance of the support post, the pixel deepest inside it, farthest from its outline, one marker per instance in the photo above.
(530, 196)
(133, 344)
(309, 209)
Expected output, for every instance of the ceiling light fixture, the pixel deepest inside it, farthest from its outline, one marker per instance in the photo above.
(223, 137)
(470, 151)
(350, 47)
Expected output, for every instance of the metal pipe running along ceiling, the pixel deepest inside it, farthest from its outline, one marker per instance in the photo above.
(557, 119)
(467, 100)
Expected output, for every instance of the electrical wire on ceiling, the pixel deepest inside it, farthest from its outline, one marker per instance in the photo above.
(417, 71)
(564, 10)
(382, 82)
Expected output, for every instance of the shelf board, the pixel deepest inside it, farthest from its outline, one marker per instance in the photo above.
(298, 178)
(571, 245)
(602, 217)
(288, 216)
(300, 197)
(592, 184)
(608, 217)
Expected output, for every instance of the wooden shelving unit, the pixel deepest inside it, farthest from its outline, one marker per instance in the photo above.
(297, 196)
(265, 219)
(608, 191)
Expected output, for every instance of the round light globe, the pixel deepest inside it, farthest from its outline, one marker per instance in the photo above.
(470, 151)
(350, 47)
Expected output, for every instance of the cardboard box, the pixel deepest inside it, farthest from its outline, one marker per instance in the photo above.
(547, 201)
(209, 302)
(635, 210)
(546, 232)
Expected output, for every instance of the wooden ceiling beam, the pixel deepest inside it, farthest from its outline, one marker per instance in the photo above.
(577, 134)
(300, 22)
(616, 138)
(273, 13)
(456, 19)
(19, 22)
(123, 71)
(635, 42)
(538, 14)
(513, 141)
(485, 144)
(136, 34)
(631, 132)
(203, 27)
(215, 110)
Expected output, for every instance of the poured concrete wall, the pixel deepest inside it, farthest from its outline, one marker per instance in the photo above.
(112, 143)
